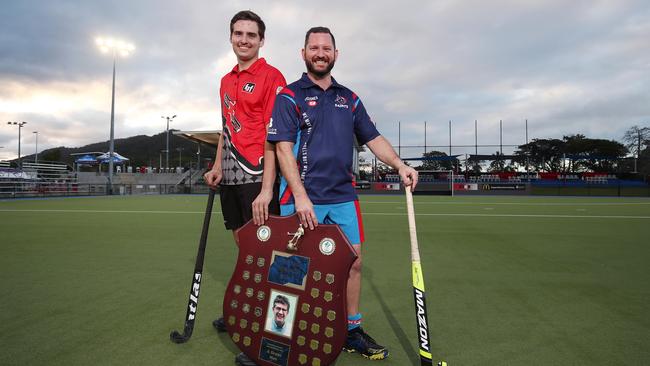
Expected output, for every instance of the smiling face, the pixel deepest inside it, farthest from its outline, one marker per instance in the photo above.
(280, 313)
(246, 41)
(319, 54)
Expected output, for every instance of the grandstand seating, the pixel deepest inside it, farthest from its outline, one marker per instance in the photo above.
(50, 178)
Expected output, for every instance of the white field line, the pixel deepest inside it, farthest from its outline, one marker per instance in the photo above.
(108, 211)
(516, 203)
(364, 214)
(513, 215)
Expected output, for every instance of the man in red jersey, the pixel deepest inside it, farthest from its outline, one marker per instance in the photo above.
(245, 162)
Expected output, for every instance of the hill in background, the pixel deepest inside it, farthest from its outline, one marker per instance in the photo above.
(142, 150)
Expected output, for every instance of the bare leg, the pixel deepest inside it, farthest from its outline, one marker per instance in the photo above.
(354, 283)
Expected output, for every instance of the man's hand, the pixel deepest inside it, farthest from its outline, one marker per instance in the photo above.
(261, 207)
(305, 211)
(213, 177)
(409, 176)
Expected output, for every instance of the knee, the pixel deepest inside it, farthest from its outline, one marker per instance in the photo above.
(356, 266)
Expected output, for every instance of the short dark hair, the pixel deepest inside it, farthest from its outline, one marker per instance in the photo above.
(320, 30)
(249, 15)
(281, 300)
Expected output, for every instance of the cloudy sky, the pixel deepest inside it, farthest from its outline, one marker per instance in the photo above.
(566, 66)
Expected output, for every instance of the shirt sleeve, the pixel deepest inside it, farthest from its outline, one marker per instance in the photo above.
(285, 119)
(275, 84)
(364, 128)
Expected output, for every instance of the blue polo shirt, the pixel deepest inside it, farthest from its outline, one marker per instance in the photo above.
(323, 125)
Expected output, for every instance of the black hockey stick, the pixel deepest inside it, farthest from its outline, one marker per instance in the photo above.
(193, 303)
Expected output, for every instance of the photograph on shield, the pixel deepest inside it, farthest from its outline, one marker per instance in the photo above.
(281, 313)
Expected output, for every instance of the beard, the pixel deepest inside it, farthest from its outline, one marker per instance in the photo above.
(319, 73)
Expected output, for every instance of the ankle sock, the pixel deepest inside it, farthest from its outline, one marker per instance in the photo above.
(354, 321)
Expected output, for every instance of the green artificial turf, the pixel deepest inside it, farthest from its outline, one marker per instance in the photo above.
(510, 280)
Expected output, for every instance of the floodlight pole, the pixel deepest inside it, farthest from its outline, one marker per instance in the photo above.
(36, 155)
(111, 147)
(160, 161)
(475, 137)
(114, 46)
(399, 139)
(20, 126)
(180, 156)
(167, 132)
(425, 137)
(528, 154)
(501, 136)
(450, 138)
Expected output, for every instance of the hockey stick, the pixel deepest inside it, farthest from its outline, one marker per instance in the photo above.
(193, 303)
(418, 288)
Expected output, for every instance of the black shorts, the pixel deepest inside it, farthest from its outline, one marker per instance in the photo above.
(237, 203)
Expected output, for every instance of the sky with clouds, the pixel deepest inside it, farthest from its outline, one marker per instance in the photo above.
(567, 67)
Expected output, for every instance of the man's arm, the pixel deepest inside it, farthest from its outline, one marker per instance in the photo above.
(384, 152)
(214, 175)
(261, 202)
(304, 207)
(263, 199)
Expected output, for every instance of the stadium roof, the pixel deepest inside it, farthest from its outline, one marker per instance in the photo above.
(492, 157)
(205, 137)
(434, 158)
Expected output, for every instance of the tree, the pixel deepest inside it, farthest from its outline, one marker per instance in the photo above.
(644, 161)
(498, 164)
(574, 153)
(440, 161)
(636, 139)
(542, 154)
(593, 154)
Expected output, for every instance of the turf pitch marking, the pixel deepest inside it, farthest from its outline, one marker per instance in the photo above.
(365, 214)
(519, 203)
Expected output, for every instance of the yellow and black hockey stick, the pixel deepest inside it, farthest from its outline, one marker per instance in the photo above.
(418, 288)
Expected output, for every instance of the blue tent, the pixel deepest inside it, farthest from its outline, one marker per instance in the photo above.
(86, 160)
(117, 158)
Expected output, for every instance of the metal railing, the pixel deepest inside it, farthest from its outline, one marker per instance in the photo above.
(22, 189)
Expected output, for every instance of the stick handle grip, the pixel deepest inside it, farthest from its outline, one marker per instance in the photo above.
(415, 252)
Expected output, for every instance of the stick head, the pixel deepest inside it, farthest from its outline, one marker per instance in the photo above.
(176, 337)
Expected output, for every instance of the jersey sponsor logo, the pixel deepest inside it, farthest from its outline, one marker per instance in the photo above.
(249, 87)
(311, 101)
(341, 102)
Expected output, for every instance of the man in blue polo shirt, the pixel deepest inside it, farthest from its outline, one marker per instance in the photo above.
(314, 124)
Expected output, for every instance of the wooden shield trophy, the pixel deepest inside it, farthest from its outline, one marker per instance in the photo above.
(285, 304)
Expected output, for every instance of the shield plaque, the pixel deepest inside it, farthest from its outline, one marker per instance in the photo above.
(285, 304)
